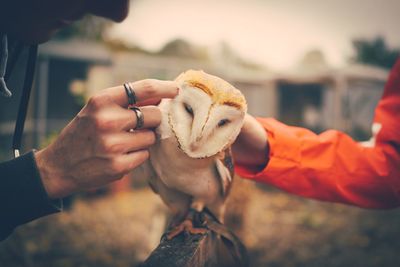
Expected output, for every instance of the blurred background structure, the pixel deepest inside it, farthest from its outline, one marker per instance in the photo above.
(316, 64)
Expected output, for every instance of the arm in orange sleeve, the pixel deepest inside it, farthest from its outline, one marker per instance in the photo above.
(332, 166)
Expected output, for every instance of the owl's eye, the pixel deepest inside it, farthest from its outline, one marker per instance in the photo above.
(188, 109)
(223, 122)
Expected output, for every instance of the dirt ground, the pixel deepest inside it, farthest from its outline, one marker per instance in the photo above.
(121, 229)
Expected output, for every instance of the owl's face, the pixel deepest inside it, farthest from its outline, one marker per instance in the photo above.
(207, 115)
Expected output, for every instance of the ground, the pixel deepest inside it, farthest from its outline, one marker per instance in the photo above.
(121, 229)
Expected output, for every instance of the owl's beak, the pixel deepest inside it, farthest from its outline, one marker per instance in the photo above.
(194, 146)
(195, 143)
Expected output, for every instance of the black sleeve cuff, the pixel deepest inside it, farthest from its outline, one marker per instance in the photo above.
(22, 194)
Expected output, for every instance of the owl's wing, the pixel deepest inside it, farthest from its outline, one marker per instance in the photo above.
(178, 202)
(225, 171)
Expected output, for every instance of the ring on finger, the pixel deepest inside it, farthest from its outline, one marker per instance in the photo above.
(130, 94)
(139, 117)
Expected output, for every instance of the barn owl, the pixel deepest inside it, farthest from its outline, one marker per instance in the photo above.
(190, 165)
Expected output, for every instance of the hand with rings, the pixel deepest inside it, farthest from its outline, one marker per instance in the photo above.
(108, 138)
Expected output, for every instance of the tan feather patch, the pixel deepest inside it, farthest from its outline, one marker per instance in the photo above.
(221, 91)
(201, 87)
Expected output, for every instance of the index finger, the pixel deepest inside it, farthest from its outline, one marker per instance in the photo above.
(145, 90)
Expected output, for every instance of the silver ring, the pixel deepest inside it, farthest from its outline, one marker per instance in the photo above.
(139, 117)
(130, 94)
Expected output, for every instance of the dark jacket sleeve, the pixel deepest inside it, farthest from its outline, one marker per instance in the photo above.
(22, 195)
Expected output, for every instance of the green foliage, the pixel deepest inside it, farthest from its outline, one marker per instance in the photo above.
(375, 52)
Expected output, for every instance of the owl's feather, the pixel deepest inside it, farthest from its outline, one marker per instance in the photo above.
(191, 165)
(224, 167)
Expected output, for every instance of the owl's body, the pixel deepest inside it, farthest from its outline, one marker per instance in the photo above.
(188, 165)
(182, 182)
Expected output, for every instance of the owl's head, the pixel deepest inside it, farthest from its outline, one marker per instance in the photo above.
(207, 115)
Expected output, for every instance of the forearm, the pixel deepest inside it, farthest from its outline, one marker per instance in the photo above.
(22, 195)
(329, 167)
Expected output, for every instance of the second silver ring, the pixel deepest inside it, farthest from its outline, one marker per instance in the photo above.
(139, 117)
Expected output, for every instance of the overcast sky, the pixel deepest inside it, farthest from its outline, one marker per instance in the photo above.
(273, 32)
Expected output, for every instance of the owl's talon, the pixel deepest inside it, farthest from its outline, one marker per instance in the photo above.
(187, 227)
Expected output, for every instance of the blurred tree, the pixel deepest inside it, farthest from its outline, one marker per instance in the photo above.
(375, 52)
(230, 56)
(183, 48)
(89, 28)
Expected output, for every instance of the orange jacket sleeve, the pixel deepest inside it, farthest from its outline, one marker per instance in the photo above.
(332, 166)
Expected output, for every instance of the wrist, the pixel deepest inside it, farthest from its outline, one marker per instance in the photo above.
(251, 148)
(255, 159)
(51, 177)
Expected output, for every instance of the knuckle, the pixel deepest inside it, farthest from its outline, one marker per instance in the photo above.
(102, 144)
(102, 122)
(95, 102)
(114, 148)
(95, 113)
(108, 146)
(99, 122)
(98, 101)
(150, 87)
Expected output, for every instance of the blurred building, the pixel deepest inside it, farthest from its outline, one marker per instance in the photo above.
(312, 95)
(54, 99)
(319, 97)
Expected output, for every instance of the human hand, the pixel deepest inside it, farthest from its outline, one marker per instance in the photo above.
(96, 147)
(251, 146)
